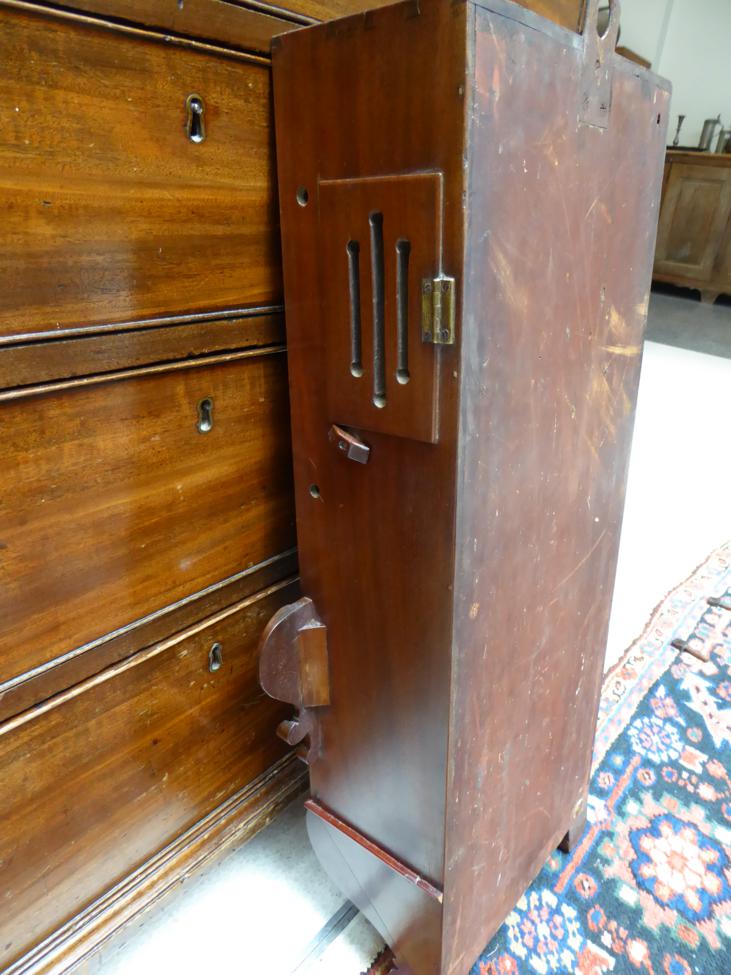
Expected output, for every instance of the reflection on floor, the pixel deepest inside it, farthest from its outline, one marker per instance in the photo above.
(267, 908)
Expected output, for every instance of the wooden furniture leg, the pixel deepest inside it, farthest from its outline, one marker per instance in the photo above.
(576, 830)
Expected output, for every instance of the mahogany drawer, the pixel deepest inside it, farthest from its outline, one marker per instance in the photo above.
(110, 212)
(119, 506)
(102, 776)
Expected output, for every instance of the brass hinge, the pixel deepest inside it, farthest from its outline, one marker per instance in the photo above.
(437, 310)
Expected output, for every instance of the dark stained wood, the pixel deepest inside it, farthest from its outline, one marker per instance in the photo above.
(250, 26)
(388, 633)
(293, 667)
(402, 869)
(466, 583)
(160, 341)
(234, 821)
(694, 237)
(158, 734)
(119, 506)
(110, 212)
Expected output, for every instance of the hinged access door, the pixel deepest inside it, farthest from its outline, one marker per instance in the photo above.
(380, 238)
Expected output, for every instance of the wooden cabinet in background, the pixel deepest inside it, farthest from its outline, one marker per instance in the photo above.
(694, 233)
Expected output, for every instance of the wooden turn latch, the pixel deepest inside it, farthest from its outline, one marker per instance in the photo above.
(293, 667)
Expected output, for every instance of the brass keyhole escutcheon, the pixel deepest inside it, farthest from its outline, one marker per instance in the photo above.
(215, 658)
(195, 125)
(205, 415)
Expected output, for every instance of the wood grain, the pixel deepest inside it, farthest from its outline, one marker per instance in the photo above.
(99, 778)
(232, 822)
(161, 340)
(465, 584)
(119, 506)
(556, 296)
(111, 212)
(694, 220)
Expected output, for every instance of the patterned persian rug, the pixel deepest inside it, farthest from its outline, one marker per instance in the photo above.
(648, 890)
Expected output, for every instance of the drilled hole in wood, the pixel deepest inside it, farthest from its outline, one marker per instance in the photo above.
(603, 20)
(314, 491)
(379, 305)
(356, 361)
(403, 251)
(303, 197)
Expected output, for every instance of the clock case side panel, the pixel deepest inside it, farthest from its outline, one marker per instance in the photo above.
(356, 111)
(562, 216)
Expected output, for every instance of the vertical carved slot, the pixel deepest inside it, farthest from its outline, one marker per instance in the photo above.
(356, 360)
(379, 304)
(403, 250)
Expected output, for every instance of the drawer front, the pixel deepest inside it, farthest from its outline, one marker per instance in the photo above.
(119, 505)
(110, 212)
(103, 776)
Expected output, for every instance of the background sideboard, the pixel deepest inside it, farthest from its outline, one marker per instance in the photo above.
(694, 233)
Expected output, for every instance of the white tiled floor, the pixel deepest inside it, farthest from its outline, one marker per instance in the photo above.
(259, 908)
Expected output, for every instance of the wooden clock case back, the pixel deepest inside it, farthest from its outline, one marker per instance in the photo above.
(468, 199)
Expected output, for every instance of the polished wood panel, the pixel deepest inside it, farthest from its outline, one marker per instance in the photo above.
(110, 212)
(235, 25)
(161, 340)
(250, 26)
(465, 584)
(99, 778)
(233, 822)
(25, 690)
(388, 633)
(119, 505)
(693, 237)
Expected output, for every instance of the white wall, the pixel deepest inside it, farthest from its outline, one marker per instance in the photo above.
(689, 42)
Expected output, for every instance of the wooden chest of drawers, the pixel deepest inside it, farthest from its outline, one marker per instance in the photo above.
(467, 257)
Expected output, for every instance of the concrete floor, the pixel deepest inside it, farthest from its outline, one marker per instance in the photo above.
(265, 907)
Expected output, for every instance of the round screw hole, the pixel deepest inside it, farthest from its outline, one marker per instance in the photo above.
(314, 491)
(303, 197)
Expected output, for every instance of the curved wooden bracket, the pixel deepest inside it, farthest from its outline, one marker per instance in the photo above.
(293, 667)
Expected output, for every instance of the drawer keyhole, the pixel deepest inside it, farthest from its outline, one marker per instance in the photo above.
(205, 415)
(195, 125)
(215, 658)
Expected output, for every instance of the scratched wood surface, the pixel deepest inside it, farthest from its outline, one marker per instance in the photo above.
(465, 584)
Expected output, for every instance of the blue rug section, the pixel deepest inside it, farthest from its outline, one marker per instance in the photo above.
(648, 889)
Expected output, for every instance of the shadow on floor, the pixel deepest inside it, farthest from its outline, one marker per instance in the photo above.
(678, 317)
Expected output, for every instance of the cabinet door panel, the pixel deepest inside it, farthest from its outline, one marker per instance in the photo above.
(694, 214)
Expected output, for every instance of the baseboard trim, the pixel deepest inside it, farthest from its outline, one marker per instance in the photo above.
(234, 821)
